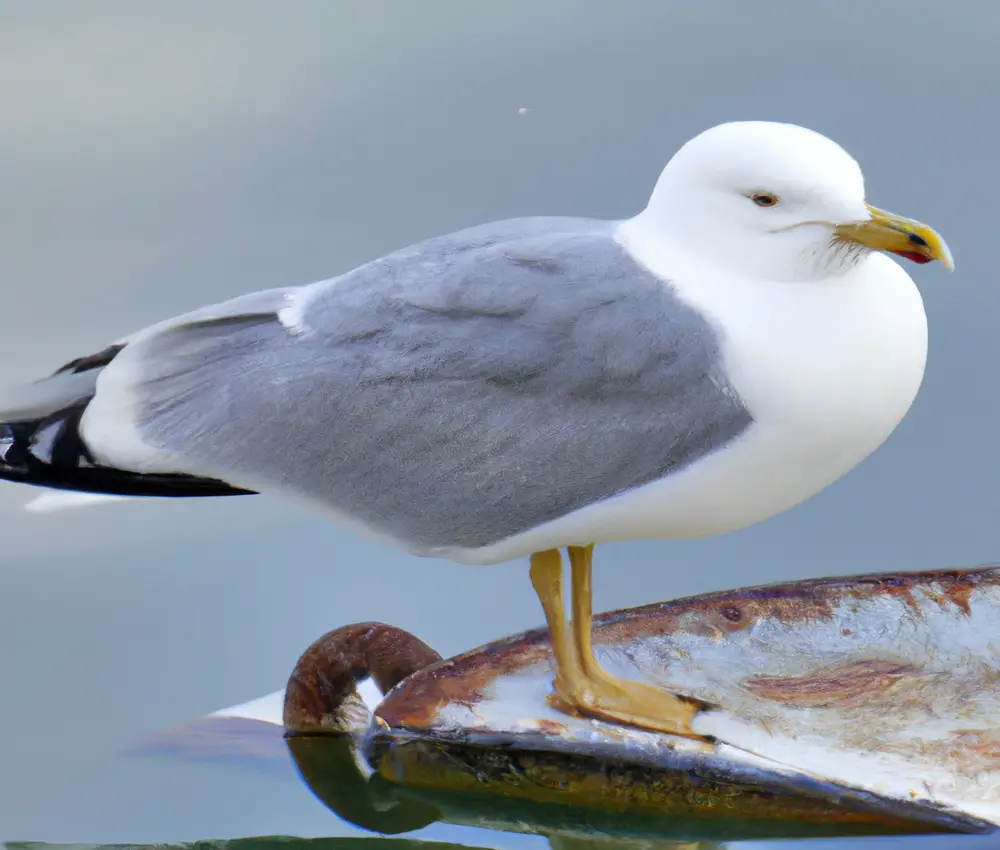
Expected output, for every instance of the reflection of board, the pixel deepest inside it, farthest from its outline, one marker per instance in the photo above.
(240, 741)
(560, 794)
(835, 700)
(270, 842)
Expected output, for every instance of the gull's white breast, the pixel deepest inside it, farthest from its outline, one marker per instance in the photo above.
(827, 369)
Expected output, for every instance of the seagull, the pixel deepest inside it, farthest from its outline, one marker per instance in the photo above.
(535, 384)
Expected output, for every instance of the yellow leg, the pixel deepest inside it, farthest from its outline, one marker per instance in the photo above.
(546, 576)
(581, 684)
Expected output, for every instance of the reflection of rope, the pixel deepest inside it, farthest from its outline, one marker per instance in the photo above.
(328, 766)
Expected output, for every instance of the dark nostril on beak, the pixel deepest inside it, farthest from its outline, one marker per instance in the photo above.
(918, 240)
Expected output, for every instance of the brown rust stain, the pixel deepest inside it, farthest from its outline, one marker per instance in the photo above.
(796, 602)
(712, 616)
(956, 594)
(462, 679)
(984, 743)
(836, 685)
(971, 755)
(904, 593)
(735, 615)
(550, 727)
(960, 595)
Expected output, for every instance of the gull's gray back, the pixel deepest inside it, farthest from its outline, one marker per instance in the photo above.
(451, 394)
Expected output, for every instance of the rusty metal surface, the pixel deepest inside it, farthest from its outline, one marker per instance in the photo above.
(878, 692)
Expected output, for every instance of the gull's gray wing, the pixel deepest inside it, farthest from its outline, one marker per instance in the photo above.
(451, 394)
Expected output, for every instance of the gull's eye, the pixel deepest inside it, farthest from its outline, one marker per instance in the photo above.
(764, 199)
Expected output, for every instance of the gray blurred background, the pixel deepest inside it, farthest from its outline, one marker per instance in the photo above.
(155, 156)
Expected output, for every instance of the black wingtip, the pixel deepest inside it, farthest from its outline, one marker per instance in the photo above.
(70, 467)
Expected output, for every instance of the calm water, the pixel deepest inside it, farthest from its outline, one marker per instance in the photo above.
(157, 156)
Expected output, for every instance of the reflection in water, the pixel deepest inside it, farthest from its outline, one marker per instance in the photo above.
(330, 767)
(563, 842)
(556, 842)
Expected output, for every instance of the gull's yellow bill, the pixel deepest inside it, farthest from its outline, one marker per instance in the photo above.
(905, 237)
